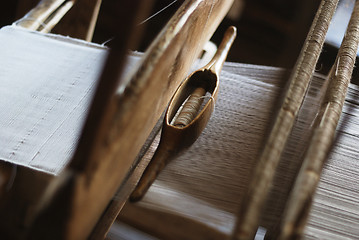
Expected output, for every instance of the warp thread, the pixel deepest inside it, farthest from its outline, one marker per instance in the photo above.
(156, 13)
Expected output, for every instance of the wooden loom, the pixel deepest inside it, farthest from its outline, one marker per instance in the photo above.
(119, 123)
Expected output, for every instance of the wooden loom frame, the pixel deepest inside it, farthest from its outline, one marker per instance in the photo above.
(85, 174)
(76, 199)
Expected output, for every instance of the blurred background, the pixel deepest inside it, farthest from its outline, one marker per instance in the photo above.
(270, 32)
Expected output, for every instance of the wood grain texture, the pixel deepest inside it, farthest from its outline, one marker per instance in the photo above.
(115, 132)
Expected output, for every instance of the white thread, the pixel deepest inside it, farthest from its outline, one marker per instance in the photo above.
(150, 17)
(181, 107)
(107, 41)
(336, 69)
(211, 97)
(147, 19)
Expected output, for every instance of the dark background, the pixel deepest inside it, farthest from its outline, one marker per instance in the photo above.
(270, 32)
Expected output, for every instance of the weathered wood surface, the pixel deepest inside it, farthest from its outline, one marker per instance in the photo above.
(119, 124)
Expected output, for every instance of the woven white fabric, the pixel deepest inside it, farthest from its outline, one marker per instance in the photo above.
(46, 83)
